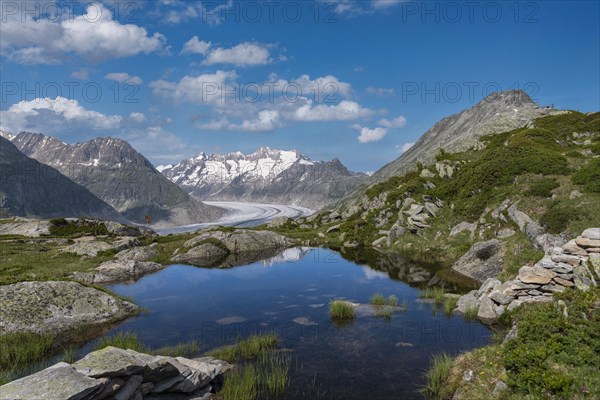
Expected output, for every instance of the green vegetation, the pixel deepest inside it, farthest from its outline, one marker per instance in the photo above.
(40, 260)
(240, 384)
(63, 228)
(377, 300)
(384, 307)
(558, 217)
(543, 187)
(246, 349)
(437, 377)
(274, 372)
(450, 305)
(340, 310)
(518, 252)
(260, 372)
(19, 350)
(123, 340)
(129, 340)
(182, 349)
(555, 355)
(589, 176)
(267, 378)
(435, 293)
(471, 313)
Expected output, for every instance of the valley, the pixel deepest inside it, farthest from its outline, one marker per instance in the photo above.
(299, 200)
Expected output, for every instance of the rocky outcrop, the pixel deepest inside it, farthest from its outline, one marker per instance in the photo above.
(24, 227)
(464, 227)
(231, 248)
(143, 253)
(117, 374)
(484, 260)
(118, 271)
(56, 307)
(90, 247)
(534, 230)
(575, 265)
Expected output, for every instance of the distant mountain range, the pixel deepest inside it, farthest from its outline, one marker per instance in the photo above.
(29, 188)
(120, 176)
(267, 175)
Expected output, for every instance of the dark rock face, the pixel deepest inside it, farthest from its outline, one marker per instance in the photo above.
(484, 260)
(267, 175)
(31, 189)
(113, 171)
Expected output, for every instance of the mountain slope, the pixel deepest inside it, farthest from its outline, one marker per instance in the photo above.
(32, 189)
(498, 112)
(119, 175)
(267, 175)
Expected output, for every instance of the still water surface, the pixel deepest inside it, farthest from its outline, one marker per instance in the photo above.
(370, 358)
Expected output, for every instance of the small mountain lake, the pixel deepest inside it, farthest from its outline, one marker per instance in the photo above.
(370, 357)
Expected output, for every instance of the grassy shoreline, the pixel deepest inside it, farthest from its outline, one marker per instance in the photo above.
(555, 355)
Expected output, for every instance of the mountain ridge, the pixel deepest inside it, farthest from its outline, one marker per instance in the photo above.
(266, 175)
(33, 189)
(496, 113)
(119, 175)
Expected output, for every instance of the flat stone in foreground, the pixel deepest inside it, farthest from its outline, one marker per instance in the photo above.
(59, 382)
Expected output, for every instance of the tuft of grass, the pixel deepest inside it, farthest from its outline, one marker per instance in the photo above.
(392, 301)
(471, 313)
(246, 349)
(183, 349)
(384, 312)
(273, 371)
(450, 305)
(437, 377)
(241, 384)
(18, 350)
(435, 293)
(377, 300)
(123, 340)
(341, 310)
(266, 378)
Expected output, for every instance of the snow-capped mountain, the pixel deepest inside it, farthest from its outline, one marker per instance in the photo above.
(267, 175)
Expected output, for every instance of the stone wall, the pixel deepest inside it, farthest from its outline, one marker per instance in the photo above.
(576, 264)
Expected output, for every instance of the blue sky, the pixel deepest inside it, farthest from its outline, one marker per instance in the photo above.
(356, 80)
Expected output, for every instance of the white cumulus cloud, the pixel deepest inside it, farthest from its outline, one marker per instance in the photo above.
(44, 114)
(196, 46)
(94, 36)
(371, 135)
(399, 122)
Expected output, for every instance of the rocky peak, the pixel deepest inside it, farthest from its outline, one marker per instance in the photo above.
(498, 112)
